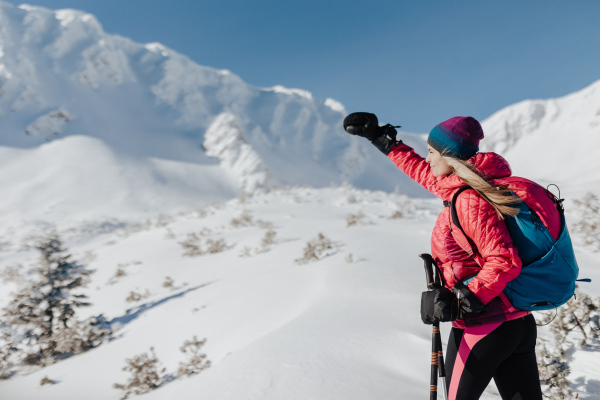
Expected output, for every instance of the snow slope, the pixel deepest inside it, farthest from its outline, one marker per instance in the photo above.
(551, 141)
(345, 327)
(78, 179)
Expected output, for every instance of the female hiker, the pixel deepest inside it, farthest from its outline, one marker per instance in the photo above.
(490, 338)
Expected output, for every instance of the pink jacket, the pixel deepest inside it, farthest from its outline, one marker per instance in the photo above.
(501, 262)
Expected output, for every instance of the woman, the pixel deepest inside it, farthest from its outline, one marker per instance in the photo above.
(491, 339)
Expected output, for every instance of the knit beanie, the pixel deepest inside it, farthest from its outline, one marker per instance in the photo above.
(457, 137)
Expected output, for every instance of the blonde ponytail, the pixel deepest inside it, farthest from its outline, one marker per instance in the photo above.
(499, 197)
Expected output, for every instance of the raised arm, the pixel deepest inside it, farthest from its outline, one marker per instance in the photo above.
(384, 138)
(414, 166)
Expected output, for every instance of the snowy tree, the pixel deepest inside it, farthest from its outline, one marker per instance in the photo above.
(41, 315)
(145, 374)
(195, 360)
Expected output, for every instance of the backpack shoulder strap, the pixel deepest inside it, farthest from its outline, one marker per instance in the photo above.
(453, 212)
(465, 242)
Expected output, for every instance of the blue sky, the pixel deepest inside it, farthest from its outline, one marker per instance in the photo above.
(413, 63)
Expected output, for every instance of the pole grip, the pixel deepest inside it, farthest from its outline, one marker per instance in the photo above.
(428, 264)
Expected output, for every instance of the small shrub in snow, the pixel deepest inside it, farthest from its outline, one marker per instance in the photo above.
(145, 374)
(135, 296)
(579, 316)
(215, 246)
(46, 381)
(268, 240)
(403, 210)
(246, 252)
(169, 283)
(316, 249)
(195, 360)
(589, 222)
(119, 273)
(553, 371)
(192, 245)
(576, 322)
(355, 219)
(245, 219)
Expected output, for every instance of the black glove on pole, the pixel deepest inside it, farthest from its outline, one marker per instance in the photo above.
(366, 125)
(470, 305)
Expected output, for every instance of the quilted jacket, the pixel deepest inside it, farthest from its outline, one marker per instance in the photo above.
(479, 219)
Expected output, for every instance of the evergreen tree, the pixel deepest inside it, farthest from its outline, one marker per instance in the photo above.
(41, 313)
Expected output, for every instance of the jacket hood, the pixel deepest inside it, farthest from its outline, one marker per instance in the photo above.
(491, 166)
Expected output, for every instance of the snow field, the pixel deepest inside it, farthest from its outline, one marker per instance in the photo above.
(334, 328)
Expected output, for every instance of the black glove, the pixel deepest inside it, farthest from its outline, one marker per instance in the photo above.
(470, 305)
(366, 125)
(362, 124)
(438, 305)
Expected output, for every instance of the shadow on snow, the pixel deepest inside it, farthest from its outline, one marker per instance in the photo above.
(133, 313)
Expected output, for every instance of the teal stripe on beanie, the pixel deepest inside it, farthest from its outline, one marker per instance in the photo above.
(457, 137)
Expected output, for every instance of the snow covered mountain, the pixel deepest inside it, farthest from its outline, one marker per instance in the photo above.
(62, 76)
(551, 141)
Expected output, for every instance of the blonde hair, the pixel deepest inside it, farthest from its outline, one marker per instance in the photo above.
(499, 197)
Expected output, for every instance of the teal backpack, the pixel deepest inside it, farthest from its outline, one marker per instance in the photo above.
(549, 269)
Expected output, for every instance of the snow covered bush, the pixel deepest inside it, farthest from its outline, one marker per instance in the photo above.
(268, 240)
(245, 219)
(46, 381)
(136, 296)
(39, 322)
(579, 317)
(576, 322)
(355, 219)
(403, 210)
(589, 222)
(553, 369)
(215, 246)
(195, 360)
(316, 249)
(145, 374)
(194, 247)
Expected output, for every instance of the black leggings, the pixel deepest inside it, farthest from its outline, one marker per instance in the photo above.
(505, 353)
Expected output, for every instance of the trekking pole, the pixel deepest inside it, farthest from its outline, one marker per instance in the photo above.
(437, 352)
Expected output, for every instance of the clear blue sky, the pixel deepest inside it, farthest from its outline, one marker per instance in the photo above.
(413, 63)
